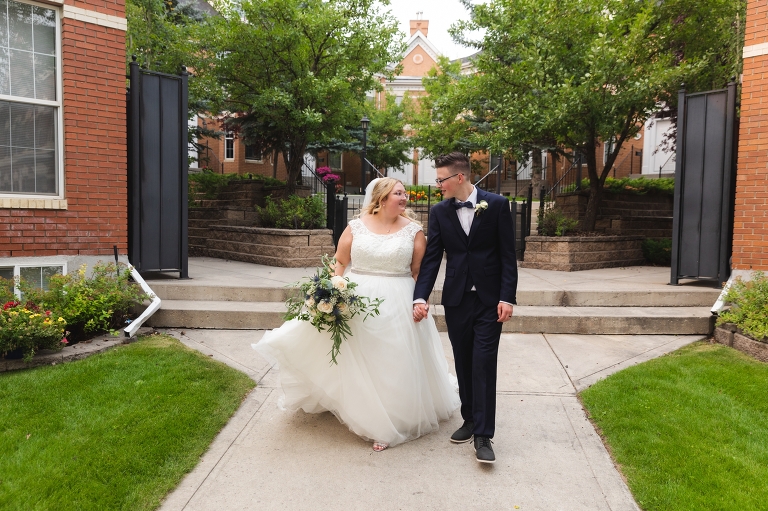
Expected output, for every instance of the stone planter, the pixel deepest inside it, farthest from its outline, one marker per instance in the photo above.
(287, 248)
(728, 334)
(574, 253)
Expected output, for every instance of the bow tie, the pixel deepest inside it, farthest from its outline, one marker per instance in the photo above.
(458, 204)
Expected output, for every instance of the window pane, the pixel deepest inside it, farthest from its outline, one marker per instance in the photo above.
(45, 127)
(44, 30)
(28, 162)
(5, 123)
(22, 74)
(6, 272)
(3, 23)
(45, 171)
(45, 77)
(20, 24)
(22, 125)
(5, 169)
(47, 272)
(5, 71)
(31, 276)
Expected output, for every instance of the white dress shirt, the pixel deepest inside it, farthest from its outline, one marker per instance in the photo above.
(466, 215)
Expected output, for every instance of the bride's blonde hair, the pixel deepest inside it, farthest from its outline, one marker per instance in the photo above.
(379, 194)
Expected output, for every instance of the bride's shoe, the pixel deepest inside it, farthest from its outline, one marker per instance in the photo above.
(379, 446)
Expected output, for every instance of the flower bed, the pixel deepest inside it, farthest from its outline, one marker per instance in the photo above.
(75, 307)
(744, 325)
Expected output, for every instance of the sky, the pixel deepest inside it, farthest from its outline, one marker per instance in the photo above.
(441, 15)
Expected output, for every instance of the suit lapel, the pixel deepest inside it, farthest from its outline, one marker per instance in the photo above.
(477, 218)
(454, 218)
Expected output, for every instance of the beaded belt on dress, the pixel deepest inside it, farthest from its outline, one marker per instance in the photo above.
(380, 273)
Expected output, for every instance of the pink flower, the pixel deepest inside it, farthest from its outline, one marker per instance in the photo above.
(321, 171)
(331, 178)
(64, 341)
(10, 305)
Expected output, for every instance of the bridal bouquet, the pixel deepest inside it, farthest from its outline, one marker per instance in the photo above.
(329, 301)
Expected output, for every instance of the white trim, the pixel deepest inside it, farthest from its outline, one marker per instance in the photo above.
(96, 18)
(32, 202)
(131, 329)
(755, 50)
(419, 39)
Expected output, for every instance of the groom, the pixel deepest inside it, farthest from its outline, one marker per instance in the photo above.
(476, 231)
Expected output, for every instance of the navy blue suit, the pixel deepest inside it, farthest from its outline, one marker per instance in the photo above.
(486, 260)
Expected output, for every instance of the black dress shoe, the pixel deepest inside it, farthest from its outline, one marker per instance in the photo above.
(483, 450)
(464, 433)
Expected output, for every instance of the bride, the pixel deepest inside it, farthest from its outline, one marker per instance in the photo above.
(391, 383)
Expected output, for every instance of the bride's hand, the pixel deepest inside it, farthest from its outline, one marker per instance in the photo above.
(420, 311)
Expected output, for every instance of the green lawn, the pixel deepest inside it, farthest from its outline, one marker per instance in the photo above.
(114, 431)
(689, 430)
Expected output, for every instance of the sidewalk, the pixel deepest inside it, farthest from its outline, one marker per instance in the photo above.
(549, 456)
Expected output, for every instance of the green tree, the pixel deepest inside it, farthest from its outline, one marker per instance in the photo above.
(570, 73)
(295, 72)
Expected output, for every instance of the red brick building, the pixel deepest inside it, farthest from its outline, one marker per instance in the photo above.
(63, 166)
(750, 232)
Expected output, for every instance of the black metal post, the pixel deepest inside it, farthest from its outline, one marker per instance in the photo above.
(364, 162)
(330, 205)
(728, 186)
(184, 185)
(674, 278)
(578, 172)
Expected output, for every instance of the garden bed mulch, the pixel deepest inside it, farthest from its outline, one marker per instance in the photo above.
(730, 335)
(76, 351)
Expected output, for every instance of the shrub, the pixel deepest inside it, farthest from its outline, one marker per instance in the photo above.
(293, 213)
(553, 222)
(28, 328)
(639, 186)
(206, 185)
(658, 252)
(6, 291)
(749, 306)
(248, 176)
(89, 305)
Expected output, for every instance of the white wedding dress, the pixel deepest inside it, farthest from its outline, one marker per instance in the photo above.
(391, 383)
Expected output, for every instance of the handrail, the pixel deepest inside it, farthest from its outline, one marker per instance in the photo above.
(373, 167)
(494, 169)
(622, 161)
(573, 166)
(131, 329)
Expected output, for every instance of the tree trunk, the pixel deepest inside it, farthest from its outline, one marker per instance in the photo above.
(536, 165)
(294, 157)
(595, 190)
(274, 164)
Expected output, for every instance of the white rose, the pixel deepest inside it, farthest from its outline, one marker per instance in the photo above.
(310, 302)
(342, 307)
(325, 307)
(339, 282)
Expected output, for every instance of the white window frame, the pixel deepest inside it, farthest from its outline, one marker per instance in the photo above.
(17, 271)
(229, 138)
(59, 113)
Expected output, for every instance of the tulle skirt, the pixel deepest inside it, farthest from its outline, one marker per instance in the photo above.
(391, 383)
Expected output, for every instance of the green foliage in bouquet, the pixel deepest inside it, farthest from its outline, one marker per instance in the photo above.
(99, 303)
(749, 306)
(27, 327)
(329, 301)
(293, 212)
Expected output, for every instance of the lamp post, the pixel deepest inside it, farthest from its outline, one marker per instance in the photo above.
(364, 122)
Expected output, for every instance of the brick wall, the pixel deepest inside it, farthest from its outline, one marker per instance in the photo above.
(750, 232)
(95, 165)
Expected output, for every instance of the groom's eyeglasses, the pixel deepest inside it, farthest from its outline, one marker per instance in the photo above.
(441, 181)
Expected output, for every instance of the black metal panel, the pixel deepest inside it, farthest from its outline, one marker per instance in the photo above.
(705, 171)
(157, 156)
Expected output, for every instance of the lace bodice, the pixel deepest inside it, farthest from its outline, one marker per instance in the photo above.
(382, 253)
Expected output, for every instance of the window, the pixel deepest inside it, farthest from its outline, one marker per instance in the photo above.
(30, 106)
(334, 160)
(252, 152)
(229, 143)
(37, 276)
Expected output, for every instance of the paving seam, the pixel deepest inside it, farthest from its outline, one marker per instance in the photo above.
(534, 394)
(562, 366)
(631, 358)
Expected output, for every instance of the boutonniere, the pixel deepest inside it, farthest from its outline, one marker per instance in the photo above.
(480, 207)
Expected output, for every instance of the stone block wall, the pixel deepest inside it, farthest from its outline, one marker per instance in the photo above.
(574, 253)
(624, 214)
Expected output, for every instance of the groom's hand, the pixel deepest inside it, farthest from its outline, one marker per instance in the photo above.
(505, 312)
(420, 311)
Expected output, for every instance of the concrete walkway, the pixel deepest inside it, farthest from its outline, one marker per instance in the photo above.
(549, 455)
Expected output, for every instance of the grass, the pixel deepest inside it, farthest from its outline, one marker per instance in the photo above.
(117, 430)
(690, 429)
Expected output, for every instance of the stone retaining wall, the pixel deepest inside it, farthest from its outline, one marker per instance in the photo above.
(574, 253)
(624, 214)
(728, 335)
(286, 248)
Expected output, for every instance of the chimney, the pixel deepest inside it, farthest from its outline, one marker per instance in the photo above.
(419, 24)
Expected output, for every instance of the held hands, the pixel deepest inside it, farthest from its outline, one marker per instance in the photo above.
(505, 312)
(420, 311)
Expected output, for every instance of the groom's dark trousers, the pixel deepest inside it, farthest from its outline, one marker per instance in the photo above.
(484, 261)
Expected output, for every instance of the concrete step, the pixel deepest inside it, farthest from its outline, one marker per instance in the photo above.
(671, 297)
(530, 319)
